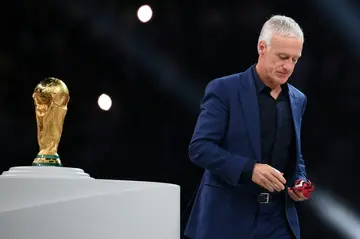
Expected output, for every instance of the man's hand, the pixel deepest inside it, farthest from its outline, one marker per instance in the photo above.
(302, 190)
(268, 177)
(296, 195)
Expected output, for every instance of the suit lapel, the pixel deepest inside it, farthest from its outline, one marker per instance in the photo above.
(250, 107)
(294, 104)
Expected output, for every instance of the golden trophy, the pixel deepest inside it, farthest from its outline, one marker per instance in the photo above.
(51, 97)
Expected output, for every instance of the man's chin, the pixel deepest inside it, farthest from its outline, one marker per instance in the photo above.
(276, 80)
(282, 80)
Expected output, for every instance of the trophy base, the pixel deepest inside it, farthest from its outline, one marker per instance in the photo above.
(47, 164)
(48, 172)
(87, 209)
(47, 161)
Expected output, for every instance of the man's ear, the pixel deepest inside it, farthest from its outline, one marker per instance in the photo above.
(261, 47)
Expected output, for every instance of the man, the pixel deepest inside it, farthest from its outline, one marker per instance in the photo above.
(247, 138)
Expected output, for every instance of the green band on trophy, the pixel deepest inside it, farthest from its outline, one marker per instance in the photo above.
(48, 156)
(48, 163)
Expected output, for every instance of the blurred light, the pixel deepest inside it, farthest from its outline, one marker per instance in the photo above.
(144, 13)
(336, 213)
(104, 102)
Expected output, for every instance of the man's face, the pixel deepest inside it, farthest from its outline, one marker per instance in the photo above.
(279, 59)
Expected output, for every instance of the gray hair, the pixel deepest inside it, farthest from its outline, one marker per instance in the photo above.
(282, 26)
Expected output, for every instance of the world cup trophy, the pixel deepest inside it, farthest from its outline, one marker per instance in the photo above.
(51, 97)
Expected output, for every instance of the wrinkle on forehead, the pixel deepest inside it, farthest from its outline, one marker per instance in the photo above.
(291, 46)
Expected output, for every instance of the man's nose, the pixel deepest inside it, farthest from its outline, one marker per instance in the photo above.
(288, 66)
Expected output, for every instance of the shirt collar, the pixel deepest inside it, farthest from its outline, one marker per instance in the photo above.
(259, 84)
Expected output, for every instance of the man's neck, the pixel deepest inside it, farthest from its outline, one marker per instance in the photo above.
(266, 80)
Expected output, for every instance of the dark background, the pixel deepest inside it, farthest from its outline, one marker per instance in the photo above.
(156, 72)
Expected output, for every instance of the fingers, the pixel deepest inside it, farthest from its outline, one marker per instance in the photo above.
(273, 182)
(300, 195)
(279, 176)
(265, 183)
(293, 195)
(268, 177)
(296, 196)
(267, 186)
(276, 178)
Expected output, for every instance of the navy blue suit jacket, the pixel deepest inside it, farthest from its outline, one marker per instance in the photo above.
(226, 136)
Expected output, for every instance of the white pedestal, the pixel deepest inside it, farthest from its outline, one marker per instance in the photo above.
(59, 203)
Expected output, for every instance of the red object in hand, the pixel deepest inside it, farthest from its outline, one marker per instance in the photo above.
(306, 188)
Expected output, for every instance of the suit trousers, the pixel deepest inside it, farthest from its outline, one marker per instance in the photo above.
(271, 222)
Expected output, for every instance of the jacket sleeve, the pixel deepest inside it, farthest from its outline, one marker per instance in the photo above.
(209, 132)
(300, 168)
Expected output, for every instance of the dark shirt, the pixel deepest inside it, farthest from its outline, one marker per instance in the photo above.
(276, 127)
